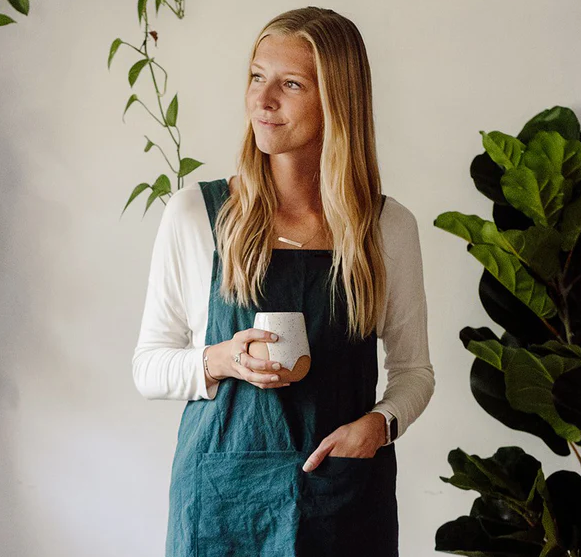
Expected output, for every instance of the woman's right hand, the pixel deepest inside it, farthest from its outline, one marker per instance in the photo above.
(255, 371)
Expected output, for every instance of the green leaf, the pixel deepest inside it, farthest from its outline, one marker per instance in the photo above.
(131, 100)
(114, 46)
(504, 150)
(149, 145)
(542, 184)
(529, 384)
(157, 5)
(537, 247)
(566, 396)
(136, 191)
(171, 114)
(141, 7)
(135, 70)
(529, 380)
(514, 277)
(162, 185)
(188, 165)
(495, 476)
(571, 225)
(21, 6)
(522, 191)
(571, 161)
(559, 118)
(5, 20)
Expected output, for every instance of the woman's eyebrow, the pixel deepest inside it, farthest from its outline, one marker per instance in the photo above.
(290, 72)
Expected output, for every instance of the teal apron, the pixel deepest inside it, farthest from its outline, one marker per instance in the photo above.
(237, 484)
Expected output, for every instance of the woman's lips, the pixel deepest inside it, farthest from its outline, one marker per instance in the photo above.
(270, 126)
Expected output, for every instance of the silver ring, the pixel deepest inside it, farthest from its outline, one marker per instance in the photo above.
(237, 357)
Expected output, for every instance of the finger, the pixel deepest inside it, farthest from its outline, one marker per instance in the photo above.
(316, 458)
(258, 334)
(269, 386)
(264, 378)
(258, 364)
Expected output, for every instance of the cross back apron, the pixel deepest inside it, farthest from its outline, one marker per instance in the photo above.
(237, 485)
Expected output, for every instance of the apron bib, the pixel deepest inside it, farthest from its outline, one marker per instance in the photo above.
(237, 485)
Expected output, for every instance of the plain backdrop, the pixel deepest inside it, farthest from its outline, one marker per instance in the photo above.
(85, 461)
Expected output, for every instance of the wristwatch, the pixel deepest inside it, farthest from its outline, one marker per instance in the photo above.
(391, 428)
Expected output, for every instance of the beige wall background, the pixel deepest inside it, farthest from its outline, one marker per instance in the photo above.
(84, 460)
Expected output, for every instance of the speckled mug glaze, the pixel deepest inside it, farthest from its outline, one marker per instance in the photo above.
(292, 347)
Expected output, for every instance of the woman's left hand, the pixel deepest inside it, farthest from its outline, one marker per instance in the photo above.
(358, 439)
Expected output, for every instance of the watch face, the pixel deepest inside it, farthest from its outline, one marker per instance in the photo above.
(393, 428)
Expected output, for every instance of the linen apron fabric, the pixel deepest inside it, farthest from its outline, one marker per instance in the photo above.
(237, 485)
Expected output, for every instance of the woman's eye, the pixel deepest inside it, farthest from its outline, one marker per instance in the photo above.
(252, 76)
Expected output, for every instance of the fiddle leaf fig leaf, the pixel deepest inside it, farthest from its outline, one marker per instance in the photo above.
(537, 247)
(512, 275)
(135, 70)
(558, 118)
(504, 150)
(529, 380)
(567, 396)
(495, 476)
(523, 192)
(571, 225)
(171, 114)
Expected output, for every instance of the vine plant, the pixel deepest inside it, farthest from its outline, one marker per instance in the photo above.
(167, 117)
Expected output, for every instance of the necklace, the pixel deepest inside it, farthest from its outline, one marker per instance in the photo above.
(298, 244)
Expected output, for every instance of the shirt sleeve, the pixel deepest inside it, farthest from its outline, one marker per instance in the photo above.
(163, 368)
(403, 321)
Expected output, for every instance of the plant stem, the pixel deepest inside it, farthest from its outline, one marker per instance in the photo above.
(166, 125)
(575, 451)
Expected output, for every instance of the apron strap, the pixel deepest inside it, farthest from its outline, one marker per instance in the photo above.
(215, 194)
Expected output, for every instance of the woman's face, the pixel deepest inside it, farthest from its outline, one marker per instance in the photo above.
(284, 91)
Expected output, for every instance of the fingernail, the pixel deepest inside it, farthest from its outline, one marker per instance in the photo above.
(286, 384)
(276, 365)
(274, 378)
(308, 466)
(273, 336)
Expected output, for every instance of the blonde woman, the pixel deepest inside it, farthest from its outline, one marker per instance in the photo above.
(263, 465)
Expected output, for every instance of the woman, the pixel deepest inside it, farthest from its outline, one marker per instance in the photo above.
(264, 466)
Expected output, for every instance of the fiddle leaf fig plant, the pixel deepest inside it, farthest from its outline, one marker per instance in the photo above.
(167, 117)
(530, 378)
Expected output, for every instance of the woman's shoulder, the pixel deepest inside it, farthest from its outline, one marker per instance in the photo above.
(396, 215)
(188, 202)
(398, 224)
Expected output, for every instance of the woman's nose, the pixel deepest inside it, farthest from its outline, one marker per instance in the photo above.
(266, 97)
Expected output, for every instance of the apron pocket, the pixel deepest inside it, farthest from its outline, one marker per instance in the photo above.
(345, 506)
(247, 503)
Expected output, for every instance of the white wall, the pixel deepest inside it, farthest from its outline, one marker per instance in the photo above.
(84, 460)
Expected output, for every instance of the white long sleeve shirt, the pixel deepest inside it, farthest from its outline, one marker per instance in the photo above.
(167, 361)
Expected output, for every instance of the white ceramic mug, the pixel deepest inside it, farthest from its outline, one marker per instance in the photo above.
(292, 347)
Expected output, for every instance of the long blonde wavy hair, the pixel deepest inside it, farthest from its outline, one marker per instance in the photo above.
(350, 187)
